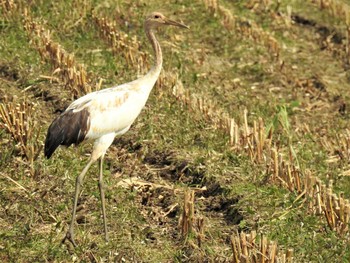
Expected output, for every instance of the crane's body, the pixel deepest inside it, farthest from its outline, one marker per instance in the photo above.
(104, 114)
(101, 114)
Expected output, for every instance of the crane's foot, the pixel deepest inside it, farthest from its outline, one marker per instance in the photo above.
(70, 237)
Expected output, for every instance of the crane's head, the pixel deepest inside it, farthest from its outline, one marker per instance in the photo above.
(156, 19)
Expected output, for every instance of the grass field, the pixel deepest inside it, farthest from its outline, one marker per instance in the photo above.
(240, 155)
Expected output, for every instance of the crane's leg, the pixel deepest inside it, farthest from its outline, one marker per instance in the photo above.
(78, 184)
(102, 193)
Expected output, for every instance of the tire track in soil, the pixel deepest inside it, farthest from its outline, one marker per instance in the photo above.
(181, 171)
(307, 33)
(329, 42)
(165, 176)
(333, 100)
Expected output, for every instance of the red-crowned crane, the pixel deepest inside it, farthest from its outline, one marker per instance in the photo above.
(104, 114)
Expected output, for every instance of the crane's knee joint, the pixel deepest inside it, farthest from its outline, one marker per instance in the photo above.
(79, 181)
(101, 185)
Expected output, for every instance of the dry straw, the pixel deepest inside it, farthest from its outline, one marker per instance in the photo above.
(243, 26)
(282, 167)
(250, 139)
(246, 248)
(121, 43)
(8, 8)
(322, 200)
(72, 74)
(186, 221)
(18, 119)
(190, 224)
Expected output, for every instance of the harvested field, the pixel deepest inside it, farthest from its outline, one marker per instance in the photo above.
(241, 154)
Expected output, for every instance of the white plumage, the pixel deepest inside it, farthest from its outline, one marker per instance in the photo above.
(114, 110)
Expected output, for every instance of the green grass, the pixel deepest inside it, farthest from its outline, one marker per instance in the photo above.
(170, 144)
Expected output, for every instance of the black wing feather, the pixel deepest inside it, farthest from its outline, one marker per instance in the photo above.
(67, 129)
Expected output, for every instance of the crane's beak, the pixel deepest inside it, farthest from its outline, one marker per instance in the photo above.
(174, 23)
